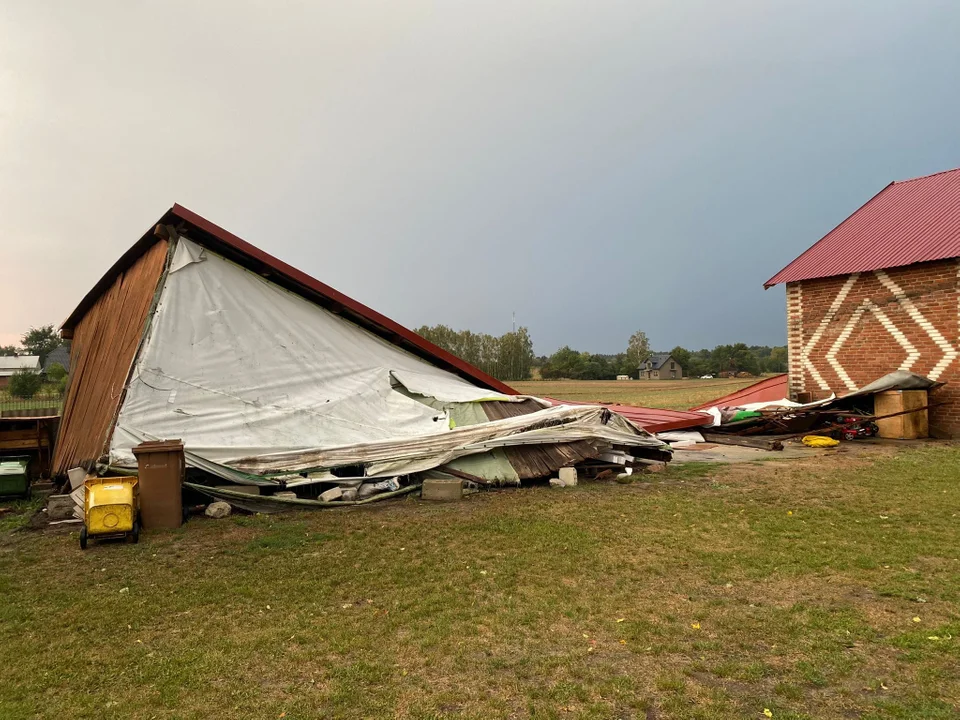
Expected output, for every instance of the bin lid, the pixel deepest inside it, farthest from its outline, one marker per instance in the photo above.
(153, 446)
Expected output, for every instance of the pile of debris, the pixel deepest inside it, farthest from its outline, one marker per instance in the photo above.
(753, 418)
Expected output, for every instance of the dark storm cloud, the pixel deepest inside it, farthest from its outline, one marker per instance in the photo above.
(597, 167)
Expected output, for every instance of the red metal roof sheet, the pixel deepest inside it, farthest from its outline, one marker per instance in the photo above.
(226, 243)
(769, 389)
(907, 222)
(653, 420)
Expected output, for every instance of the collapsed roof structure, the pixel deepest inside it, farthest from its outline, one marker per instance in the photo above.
(269, 376)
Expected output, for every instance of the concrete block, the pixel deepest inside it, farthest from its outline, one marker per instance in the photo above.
(569, 476)
(349, 494)
(444, 490)
(246, 489)
(286, 495)
(60, 507)
(331, 495)
(557, 483)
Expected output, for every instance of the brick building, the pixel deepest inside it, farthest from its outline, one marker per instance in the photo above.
(881, 292)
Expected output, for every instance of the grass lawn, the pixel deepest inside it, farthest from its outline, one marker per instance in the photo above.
(670, 394)
(816, 588)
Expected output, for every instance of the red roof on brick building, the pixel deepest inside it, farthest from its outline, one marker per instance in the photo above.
(907, 222)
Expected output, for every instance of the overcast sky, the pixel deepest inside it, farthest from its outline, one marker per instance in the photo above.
(597, 167)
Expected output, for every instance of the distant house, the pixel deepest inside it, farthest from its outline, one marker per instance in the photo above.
(660, 366)
(10, 365)
(61, 355)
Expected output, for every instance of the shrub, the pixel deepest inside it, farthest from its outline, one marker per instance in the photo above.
(25, 383)
(55, 372)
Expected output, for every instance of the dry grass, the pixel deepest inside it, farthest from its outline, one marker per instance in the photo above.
(670, 394)
(703, 592)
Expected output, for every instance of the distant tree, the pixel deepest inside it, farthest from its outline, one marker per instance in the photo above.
(682, 356)
(638, 348)
(56, 372)
(778, 360)
(25, 384)
(9, 350)
(508, 357)
(564, 363)
(41, 341)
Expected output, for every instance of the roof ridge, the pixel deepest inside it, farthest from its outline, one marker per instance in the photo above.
(924, 177)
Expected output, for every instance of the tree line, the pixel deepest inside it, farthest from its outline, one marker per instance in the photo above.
(507, 357)
(510, 356)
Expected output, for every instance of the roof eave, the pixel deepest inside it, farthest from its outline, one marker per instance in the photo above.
(782, 276)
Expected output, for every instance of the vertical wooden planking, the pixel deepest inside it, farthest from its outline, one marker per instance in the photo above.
(104, 344)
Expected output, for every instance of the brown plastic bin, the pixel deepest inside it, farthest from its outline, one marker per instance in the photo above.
(161, 467)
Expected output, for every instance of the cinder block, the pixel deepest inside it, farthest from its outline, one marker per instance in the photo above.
(331, 494)
(569, 476)
(60, 507)
(444, 490)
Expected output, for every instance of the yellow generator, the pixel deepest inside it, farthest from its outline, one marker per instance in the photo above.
(111, 508)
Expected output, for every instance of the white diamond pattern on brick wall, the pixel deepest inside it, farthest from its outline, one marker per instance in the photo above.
(818, 333)
(912, 353)
(949, 351)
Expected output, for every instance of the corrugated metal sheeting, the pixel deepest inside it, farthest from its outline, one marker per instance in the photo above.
(907, 222)
(653, 420)
(769, 389)
(104, 344)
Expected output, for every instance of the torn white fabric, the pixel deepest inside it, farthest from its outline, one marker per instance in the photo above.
(403, 456)
(448, 388)
(236, 366)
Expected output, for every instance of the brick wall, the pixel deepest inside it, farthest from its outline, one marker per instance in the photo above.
(844, 332)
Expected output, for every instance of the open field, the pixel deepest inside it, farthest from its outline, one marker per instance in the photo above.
(670, 394)
(819, 588)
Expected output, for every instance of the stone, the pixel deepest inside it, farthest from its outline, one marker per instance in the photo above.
(60, 507)
(349, 494)
(331, 495)
(557, 483)
(245, 489)
(442, 490)
(218, 509)
(285, 495)
(569, 476)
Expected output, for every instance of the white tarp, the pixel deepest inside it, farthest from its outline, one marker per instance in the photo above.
(448, 388)
(236, 366)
